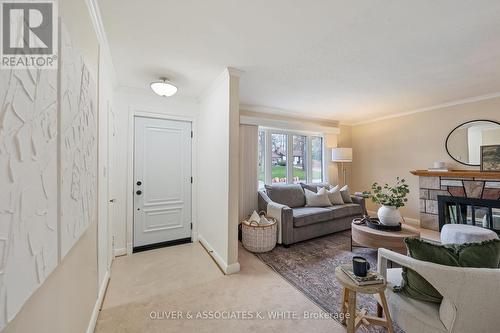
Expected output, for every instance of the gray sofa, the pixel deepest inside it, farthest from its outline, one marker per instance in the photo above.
(299, 222)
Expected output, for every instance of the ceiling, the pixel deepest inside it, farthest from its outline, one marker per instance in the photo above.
(343, 60)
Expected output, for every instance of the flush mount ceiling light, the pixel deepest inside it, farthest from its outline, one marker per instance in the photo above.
(163, 87)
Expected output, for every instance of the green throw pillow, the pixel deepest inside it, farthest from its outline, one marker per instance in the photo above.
(479, 255)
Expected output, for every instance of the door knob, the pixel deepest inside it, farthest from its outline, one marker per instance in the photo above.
(139, 192)
(139, 183)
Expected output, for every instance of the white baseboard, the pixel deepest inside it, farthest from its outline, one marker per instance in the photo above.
(408, 220)
(120, 252)
(98, 304)
(233, 268)
(227, 269)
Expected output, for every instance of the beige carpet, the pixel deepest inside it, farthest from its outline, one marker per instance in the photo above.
(184, 278)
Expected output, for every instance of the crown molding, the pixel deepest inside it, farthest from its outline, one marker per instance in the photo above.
(227, 73)
(285, 113)
(235, 72)
(430, 108)
(283, 119)
(95, 16)
(288, 124)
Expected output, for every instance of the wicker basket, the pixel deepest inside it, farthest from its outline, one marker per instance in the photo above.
(259, 238)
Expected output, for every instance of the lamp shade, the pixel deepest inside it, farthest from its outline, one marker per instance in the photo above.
(341, 154)
(163, 88)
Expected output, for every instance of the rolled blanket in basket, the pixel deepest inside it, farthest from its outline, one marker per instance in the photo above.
(274, 210)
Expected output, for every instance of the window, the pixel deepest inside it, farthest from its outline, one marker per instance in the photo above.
(262, 159)
(299, 159)
(278, 158)
(317, 159)
(286, 157)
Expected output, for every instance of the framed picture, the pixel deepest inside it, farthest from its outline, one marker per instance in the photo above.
(490, 158)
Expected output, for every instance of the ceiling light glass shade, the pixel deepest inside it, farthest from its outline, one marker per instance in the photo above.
(342, 155)
(163, 88)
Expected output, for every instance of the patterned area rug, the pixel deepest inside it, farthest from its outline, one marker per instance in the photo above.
(310, 267)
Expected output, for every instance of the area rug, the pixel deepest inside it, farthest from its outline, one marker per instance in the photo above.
(310, 267)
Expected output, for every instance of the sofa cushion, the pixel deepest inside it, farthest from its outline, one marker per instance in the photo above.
(339, 211)
(309, 215)
(291, 195)
(334, 195)
(411, 315)
(314, 186)
(346, 195)
(319, 199)
(485, 254)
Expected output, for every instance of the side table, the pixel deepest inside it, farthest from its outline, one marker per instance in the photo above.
(348, 306)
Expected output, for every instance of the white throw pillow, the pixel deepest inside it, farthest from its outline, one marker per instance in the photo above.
(335, 196)
(319, 199)
(346, 196)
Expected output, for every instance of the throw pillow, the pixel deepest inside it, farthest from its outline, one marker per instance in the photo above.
(314, 186)
(334, 195)
(479, 255)
(346, 196)
(319, 199)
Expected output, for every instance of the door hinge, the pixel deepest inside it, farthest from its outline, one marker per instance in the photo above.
(191, 226)
(191, 134)
(191, 180)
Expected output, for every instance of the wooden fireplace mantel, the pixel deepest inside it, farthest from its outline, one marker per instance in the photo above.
(458, 174)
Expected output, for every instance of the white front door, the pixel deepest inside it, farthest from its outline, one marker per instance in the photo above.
(162, 181)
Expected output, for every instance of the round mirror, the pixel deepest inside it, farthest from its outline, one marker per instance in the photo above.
(464, 143)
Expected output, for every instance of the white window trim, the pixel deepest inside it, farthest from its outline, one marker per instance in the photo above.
(268, 158)
(308, 160)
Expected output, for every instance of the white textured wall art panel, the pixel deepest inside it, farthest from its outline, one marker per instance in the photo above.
(28, 185)
(78, 145)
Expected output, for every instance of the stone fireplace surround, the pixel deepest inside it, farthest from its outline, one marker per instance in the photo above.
(457, 183)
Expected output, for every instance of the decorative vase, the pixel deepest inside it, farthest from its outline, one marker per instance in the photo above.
(389, 215)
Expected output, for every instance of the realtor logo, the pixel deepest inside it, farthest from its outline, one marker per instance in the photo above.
(29, 36)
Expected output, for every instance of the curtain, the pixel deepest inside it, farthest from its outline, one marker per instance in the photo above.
(249, 136)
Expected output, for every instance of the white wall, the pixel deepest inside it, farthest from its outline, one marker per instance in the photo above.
(105, 97)
(333, 170)
(66, 301)
(129, 101)
(218, 174)
(393, 147)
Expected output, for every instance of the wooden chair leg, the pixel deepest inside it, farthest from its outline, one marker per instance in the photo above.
(351, 320)
(343, 308)
(390, 329)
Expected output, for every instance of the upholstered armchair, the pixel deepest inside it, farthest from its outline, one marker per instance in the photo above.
(471, 297)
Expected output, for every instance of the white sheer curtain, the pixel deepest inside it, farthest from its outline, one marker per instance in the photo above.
(249, 136)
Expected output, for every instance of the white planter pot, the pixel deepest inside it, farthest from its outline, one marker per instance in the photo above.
(389, 215)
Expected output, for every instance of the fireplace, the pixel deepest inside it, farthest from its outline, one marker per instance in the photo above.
(466, 188)
(484, 213)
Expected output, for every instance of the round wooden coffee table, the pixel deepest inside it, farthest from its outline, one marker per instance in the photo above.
(362, 235)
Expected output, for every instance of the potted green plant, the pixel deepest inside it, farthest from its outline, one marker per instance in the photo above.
(391, 198)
